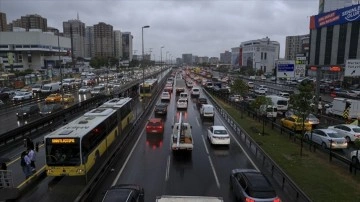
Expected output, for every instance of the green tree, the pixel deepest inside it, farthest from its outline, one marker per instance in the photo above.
(260, 100)
(239, 87)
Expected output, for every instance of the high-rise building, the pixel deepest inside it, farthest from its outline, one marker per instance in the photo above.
(3, 22)
(214, 60)
(33, 21)
(225, 58)
(294, 46)
(331, 5)
(75, 30)
(187, 59)
(118, 44)
(235, 53)
(260, 54)
(104, 40)
(127, 46)
(89, 42)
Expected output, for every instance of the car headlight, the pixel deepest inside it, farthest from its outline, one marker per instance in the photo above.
(24, 113)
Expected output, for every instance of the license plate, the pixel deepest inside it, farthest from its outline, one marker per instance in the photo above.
(154, 131)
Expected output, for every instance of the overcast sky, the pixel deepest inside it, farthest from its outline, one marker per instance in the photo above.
(200, 27)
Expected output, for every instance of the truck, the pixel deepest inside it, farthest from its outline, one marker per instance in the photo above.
(281, 103)
(181, 138)
(168, 198)
(180, 86)
(339, 105)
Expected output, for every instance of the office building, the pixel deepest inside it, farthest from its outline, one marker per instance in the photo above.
(89, 42)
(235, 53)
(127, 46)
(225, 58)
(75, 30)
(118, 44)
(3, 22)
(187, 58)
(104, 40)
(33, 21)
(334, 38)
(213, 60)
(36, 50)
(204, 59)
(259, 54)
(331, 5)
(294, 46)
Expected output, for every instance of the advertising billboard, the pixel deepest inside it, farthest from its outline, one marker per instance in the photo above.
(352, 68)
(340, 16)
(285, 69)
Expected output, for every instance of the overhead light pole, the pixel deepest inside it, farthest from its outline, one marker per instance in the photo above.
(166, 58)
(161, 56)
(142, 59)
(61, 73)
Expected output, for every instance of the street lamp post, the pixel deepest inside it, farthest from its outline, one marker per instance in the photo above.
(61, 73)
(142, 45)
(161, 56)
(166, 58)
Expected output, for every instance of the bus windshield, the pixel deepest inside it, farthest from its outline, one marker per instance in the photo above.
(63, 151)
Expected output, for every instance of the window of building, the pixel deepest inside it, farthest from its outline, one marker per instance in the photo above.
(20, 58)
(328, 45)
(341, 46)
(265, 54)
(34, 46)
(354, 38)
(317, 46)
(26, 46)
(18, 46)
(4, 46)
(261, 55)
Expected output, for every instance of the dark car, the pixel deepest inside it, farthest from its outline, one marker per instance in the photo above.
(4, 93)
(124, 193)
(161, 109)
(28, 110)
(50, 108)
(201, 101)
(252, 185)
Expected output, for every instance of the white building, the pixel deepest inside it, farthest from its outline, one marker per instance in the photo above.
(331, 5)
(118, 44)
(32, 50)
(260, 54)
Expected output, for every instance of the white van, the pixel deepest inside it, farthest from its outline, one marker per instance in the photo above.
(207, 111)
(270, 111)
(69, 83)
(51, 88)
(281, 103)
(184, 95)
(285, 95)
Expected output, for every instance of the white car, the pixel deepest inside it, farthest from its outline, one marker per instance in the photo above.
(195, 92)
(84, 89)
(348, 131)
(323, 137)
(22, 96)
(260, 91)
(165, 96)
(182, 103)
(218, 135)
(184, 95)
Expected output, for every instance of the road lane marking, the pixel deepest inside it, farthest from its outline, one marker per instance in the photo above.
(207, 151)
(197, 121)
(127, 159)
(167, 169)
(214, 172)
(237, 142)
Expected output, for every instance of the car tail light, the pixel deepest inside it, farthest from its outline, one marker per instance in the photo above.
(249, 200)
(147, 127)
(160, 127)
(277, 199)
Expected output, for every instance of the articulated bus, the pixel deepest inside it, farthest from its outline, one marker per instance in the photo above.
(75, 148)
(148, 87)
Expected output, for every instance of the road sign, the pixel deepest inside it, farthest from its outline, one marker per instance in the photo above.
(300, 70)
(285, 69)
(352, 68)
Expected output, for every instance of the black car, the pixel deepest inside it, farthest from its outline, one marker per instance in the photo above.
(124, 193)
(161, 108)
(5, 93)
(201, 101)
(50, 108)
(252, 185)
(28, 110)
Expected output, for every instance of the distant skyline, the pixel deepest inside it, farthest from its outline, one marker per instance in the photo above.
(199, 27)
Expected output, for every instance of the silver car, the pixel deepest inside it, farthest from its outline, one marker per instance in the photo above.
(327, 138)
(348, 131)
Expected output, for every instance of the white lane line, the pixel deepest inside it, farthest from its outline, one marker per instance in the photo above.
(237, 142)
(213, 169)
(207, 151)
(127, 159)
(167, 169)
(197, 121)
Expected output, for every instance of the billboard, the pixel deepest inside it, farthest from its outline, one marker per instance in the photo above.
(285, 69)
(340, 16)
(352, 68)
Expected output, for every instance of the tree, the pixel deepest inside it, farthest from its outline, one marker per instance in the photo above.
(239, 87)
(260, 100)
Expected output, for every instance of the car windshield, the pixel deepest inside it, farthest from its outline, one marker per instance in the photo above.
(36, 86)
(154, 123)
(220, 132)
(333, 135)
(356, 130)
(98, 88)
(262, 194)
(282, 102)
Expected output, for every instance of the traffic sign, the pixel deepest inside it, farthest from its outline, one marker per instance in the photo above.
(352, 68)
(285, 69)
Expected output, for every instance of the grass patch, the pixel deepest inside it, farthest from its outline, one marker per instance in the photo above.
(320, 179)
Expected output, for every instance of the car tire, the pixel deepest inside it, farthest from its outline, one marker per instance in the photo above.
(354, 160)
(323, 145)
(348, 140)
(307, 138)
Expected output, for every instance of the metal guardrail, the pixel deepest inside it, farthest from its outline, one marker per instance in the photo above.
(281, 178)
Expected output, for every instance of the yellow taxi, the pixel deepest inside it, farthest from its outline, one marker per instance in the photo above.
(56, 97)
(295, 123)
(68, 98)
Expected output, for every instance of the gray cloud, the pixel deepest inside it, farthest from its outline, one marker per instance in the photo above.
(201, 27)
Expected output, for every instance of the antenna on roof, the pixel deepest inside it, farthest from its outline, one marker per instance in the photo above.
(77, 15)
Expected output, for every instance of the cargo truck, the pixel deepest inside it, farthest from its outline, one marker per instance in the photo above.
(180, 86)
(181, 138)
(339, 105)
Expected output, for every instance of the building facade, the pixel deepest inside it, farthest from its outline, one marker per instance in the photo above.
(213, 60)
(331, 5)
(260, 54)
(127, 46)
(33, 21)
(32, 50)
(334, 38)
(89, 42)
(235, 53)
(294, 46)
(187, 58)
(75, 30)
(104, 40)
(3, 22)
(118, 44)
(225, 58)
